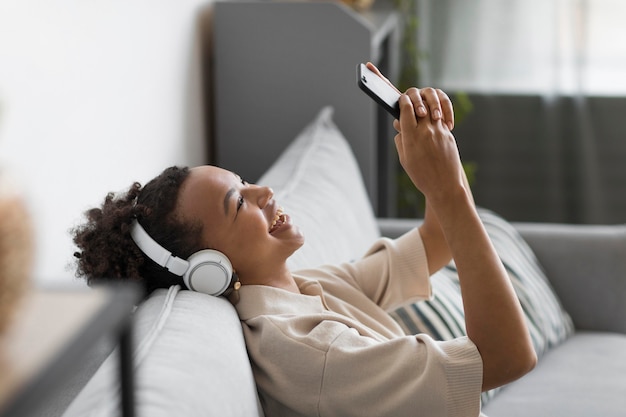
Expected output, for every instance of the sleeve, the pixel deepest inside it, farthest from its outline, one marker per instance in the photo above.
(408, 376)
(392, 272)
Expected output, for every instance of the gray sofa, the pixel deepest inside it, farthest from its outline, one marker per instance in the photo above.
(190, 356)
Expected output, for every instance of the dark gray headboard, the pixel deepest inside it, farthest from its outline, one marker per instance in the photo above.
(278, 63)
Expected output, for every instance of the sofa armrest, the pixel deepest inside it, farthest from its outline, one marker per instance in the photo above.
(586, 265)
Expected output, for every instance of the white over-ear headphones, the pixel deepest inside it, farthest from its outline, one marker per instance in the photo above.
(207, 271)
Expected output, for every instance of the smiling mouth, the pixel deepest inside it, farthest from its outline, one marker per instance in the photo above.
(278, 221)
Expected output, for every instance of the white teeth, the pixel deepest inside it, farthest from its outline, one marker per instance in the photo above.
(277, 216)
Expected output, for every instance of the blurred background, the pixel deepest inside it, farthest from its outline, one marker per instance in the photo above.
(95, 95)
(546, 80)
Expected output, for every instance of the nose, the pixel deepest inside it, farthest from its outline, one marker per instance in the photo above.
(263, 195)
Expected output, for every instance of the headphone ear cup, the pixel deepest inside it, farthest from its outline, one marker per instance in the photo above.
(210, 272)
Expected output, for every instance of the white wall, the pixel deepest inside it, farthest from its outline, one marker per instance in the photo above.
(94, 95)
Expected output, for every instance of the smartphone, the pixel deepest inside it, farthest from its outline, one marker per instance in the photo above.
(379, 90)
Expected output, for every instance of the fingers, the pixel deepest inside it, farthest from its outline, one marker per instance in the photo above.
(398, 142)
(425, 100)
(447, 109)
(408, 119)
(433, 101)
(419, 105)
(396, 125)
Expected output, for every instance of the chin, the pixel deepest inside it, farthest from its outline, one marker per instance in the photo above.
(298, 245)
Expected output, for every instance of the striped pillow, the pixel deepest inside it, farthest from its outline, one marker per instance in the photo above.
(442, 317)
(548, 322)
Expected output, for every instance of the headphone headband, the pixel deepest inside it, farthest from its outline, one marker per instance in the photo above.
(207, 271)
(156, 252)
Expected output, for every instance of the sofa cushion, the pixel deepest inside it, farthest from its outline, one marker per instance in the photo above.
(442, 317)
(317, 180)
(584, 376)
(190, 359)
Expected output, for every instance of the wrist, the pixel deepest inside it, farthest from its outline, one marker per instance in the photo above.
(450, 197)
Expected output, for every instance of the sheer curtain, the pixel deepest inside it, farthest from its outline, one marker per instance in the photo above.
(548, 81)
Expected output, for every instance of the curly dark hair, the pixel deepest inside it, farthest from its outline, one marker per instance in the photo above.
(108, 254)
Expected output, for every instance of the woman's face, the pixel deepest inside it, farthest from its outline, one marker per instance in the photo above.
(241, 220)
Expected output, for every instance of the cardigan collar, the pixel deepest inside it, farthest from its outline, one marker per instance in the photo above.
(258, 300)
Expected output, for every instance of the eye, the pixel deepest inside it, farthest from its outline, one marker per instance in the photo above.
(239, 202)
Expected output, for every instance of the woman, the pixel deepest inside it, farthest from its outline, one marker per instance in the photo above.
(320, 340)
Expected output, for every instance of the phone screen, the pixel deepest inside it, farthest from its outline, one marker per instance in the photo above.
(379, 90)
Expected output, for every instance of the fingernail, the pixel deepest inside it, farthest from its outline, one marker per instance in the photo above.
(421, 110)
(450, 125)
(437, 114)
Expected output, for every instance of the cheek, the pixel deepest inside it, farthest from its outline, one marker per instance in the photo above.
(244, 239)
(242, 242)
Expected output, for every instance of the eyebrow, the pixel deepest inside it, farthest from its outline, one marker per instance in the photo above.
(229, 193)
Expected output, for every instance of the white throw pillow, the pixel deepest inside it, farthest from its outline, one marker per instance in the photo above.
(318, 182)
